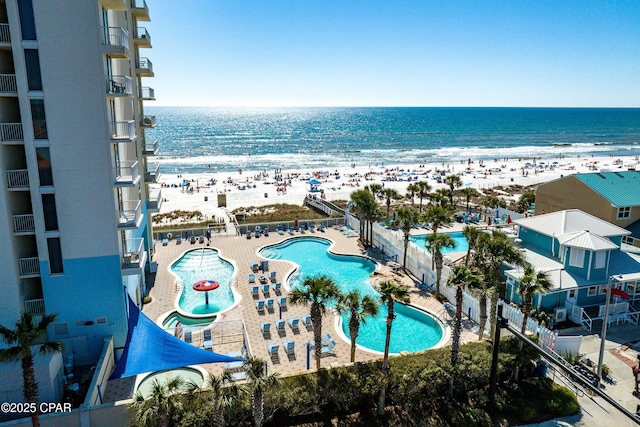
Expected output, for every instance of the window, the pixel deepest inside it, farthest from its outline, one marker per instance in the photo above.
(55, 255)
(39, 119)
(32, 62)
(572, 294)
(44, 166)
(601, 259)
(631, 289)
(50, 214)
(27, 23)
(624, 212)
(592, 291)
(603, 289)
(576, 258)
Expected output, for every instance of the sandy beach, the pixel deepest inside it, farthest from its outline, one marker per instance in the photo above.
(193, 192)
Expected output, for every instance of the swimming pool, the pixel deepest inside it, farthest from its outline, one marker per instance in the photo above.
(186, 374)
(202, 264)
(188, 323)
(461, 242)
(413, 330)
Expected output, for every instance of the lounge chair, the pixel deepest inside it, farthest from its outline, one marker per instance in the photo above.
(327, 349)
(312, 228)
(165, 241)
(291, 230)
(280, 325)
(207, 342)
(264, 266)
(289, 347)
(254, 267)
(265, 327)
(269, 304)
(256, 232)
(201, 239)
(282, 301)
(272, 277)
(192, 240)
(188, 337)
(280, 231)
(265, 290)
(266, 231)
(277, 288)
(272, 348)
(260, 306)
(306, 320)
(321, 228)
(232, 366)
(248, 235)
(293, 322)
(252, 278)
(238, 376)
(324, 341)
(178, 239)
(255, 292)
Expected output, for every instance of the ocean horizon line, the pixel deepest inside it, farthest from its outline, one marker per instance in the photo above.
(399, 107)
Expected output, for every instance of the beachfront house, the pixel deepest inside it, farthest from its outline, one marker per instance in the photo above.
(581, 255)
(611, 196)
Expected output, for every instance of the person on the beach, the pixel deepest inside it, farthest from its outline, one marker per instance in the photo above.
(177, 332)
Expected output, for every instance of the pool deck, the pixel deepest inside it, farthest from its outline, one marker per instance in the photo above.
(244, 252)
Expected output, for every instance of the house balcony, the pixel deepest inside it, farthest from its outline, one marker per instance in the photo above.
(8, 85)
(148, 121)
(18, 179)
(134, 256)
(147, 94)
(126, 175)
(123, 131)
(140, 10)
(24, 224)
(131, 217)
(11, 133)
(142, 37)
(155, 201)
(152, 176)
(150, 148)
(119, 86)
(29, 267)
(34, 307)
(114, 4)
(5, 36)
(144, 67)
(115, 42)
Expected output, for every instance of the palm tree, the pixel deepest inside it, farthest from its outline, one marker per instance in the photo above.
(374, 188)
(423, 190)
(390, 293)
(533, 282)
(405, 220)
(440, 197)
(161, 407)
(453, 181)
(437, 215)
(366, 207)
(412, 189)
(358, 308)
(259, 382)
(19, 342)
(468, 193)
(390, 194)
(320, 292)
(435, 244)
(225, 394)
(471, 233)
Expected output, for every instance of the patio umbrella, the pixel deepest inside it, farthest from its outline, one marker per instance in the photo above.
(206, 286)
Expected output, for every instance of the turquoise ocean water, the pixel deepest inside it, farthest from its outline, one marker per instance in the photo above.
(219, 139)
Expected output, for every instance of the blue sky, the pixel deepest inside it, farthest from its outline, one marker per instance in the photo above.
(395, 53)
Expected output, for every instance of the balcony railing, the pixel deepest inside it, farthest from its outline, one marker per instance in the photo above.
(24, 223)
(155, 201)
(144, 65)
(147, 93)
(129, 218)
(142, 36)
(11, 132)
(5, 37)
(126, 174)
(18, 178)
(152, 176)
(123, 131)
(119, 85)
(140, 10)
(150, 148)
(115, 36)
(29, 266)
(34, 307)
(133, 255)
(149, 121)
(8, 83)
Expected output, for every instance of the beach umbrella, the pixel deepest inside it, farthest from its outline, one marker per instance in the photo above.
(206, 286)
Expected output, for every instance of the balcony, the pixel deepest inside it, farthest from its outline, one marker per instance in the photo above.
(144, 67)
(126, 175)
(148, 121)
(5, 37)
(150, 149)
(140, 10)
(142, 37)
(119, 86)
(134, 256)
(24, 224)
(115, 42)
(18, 179)
(152, 176)
(114, 4)
(8, 85)
(34, 307)
(29, 267)
(123, 131)
(155, 201)
(11, 133)
(130, 218)
(147, 94)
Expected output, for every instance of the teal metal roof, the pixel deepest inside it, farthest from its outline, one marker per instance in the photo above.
(620, 188)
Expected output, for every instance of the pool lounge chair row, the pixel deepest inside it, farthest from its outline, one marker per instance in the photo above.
(255, 290)
(269, 304)
(207, 341)
(289, 348)
(293, 322)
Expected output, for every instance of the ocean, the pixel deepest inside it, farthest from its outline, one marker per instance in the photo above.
(199, 139)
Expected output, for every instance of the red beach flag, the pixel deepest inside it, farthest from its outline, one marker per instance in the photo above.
(619, 293)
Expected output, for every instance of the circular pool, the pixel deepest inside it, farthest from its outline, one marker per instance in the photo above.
(145, 386)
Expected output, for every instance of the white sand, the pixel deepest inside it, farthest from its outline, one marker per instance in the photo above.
(491, 174)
